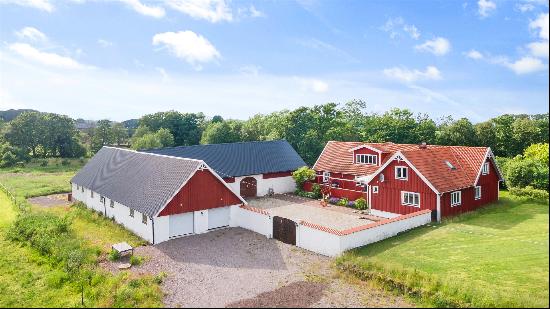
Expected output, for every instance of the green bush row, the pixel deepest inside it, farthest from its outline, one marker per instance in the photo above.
(529, 192)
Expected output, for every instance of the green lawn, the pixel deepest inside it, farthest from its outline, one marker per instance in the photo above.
(496, 256)
(31, 280)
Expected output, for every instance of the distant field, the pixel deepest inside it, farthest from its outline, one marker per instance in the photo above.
(497, 256)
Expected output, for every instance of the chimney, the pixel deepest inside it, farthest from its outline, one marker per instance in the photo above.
(423, 145)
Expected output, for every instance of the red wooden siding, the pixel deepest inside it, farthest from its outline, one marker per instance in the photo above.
(489, 194)
(202, 191)
(347, 187)
(388, 197)
(366, 151)
(276, 175)
(229, 179)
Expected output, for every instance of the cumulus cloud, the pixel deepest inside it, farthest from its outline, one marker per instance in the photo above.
(438, 46)
(474, 54)
(49, 59)
(486, 7)
(541, 25)
(525, 65)
(211, 10)
(412, 31)
(31, 34)
(539, 49)
(313, 84)
(44, 5)
(409, 76)
(189, 46)
(147, 10)
(396, 26)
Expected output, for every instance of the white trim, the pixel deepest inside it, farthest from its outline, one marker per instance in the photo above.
(489, 155)
(365, 146)
(406, 169)
(326, 176)
(398, 153)
(476, 197)
(415, 194)
(485, 168)
(459, 202)
(438, 207)
(369, 196)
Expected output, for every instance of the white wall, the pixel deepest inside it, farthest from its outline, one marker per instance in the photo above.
(279, 184)
(120, 213)
(201, 221)
(383, 214)
(250, 220)
(317, 241)
(383, 231)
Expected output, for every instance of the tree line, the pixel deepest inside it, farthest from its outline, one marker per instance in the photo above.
(307, 129)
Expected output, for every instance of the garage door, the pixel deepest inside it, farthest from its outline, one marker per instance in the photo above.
(181, 224)
(218, 217)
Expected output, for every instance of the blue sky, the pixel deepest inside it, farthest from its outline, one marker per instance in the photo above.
(120, 59)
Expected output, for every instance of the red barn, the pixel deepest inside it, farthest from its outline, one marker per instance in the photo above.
(404, 178)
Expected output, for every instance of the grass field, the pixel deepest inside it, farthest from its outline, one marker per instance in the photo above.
(497, 256)
(31, 280)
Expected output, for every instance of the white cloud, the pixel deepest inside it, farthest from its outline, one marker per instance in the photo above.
(525, 65)
(187, 45)
(486, 7)
(44, 5)
(256, 13)
(539, 49)
(525, 7)
(319, 86)
(409, 76)
(152, 11)
(438, 46)
(211, 10)
(31, 34)
(541, 25)
(474, 54)
(50, 59)
(104, 43)
(412, 31)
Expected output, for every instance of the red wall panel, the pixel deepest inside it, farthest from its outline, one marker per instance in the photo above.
(202, 191)
(489, 194)
(388, 197)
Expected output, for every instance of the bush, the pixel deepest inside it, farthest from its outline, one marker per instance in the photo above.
(302, 175)
(530, 192)
(521, 173)
(43, 163)
(351, 204)
(113, 256)
(361, 204)
(343, 202)
(136, 260)
(65, 162)
(316, 190)
(160, 277)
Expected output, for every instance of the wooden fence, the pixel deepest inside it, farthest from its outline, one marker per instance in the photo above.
(20, 204)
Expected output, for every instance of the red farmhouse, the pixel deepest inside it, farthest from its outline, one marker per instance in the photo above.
(404, 178)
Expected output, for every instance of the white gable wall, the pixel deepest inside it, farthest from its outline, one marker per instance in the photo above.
(284, 184)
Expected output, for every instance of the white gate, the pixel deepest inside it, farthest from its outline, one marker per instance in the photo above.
(181, 224)
(218, 217)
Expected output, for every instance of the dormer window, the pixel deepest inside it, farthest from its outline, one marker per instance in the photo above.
(366, 159)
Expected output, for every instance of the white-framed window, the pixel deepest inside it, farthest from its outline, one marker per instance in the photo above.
(112, 204)
(456, 198)
(326, 176)
(374, 189)
(144, 219)
(102, 200)
(131, 213)
(366, 159)
(401, 172)
(410, 199)
(478, 192)
(485, 169)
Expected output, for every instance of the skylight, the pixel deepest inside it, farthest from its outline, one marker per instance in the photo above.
(450, 165)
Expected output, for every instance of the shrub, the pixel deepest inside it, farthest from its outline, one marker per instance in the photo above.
(113, 256)
(351, 204)
(302, 175)
(316, 190)
(361, 204)
(343, 202)
(521, 173)
(65, 162)
(43, 163)
(530, 192)
(136, 260)
(160, 277)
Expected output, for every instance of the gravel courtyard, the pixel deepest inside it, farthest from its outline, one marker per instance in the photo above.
(238, 268)
(296, 209)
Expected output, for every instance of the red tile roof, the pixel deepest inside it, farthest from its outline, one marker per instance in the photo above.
(430, 162)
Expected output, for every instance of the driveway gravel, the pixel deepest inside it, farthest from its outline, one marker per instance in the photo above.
(238, 268)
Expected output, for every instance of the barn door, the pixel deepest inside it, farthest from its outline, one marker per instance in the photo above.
(249, 187)
(284, 230)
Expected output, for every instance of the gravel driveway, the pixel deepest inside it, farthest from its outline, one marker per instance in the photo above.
(238, 268)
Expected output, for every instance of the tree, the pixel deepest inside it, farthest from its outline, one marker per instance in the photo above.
(458, 133)
(102, 135)
(120, 134)
(537, 152)
(524, 133)
(165, 137)
(185, 127)
(26, 131)
(425, 129)
(159, 139)
(504, 136)
(222, 132)
(396, 125)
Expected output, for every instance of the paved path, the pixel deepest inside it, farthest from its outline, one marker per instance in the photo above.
(238, 268)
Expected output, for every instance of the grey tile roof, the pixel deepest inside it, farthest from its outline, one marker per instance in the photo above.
(240, 159)
(141, 181)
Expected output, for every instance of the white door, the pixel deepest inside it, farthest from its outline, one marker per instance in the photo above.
(218, 217)
(181, 224)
